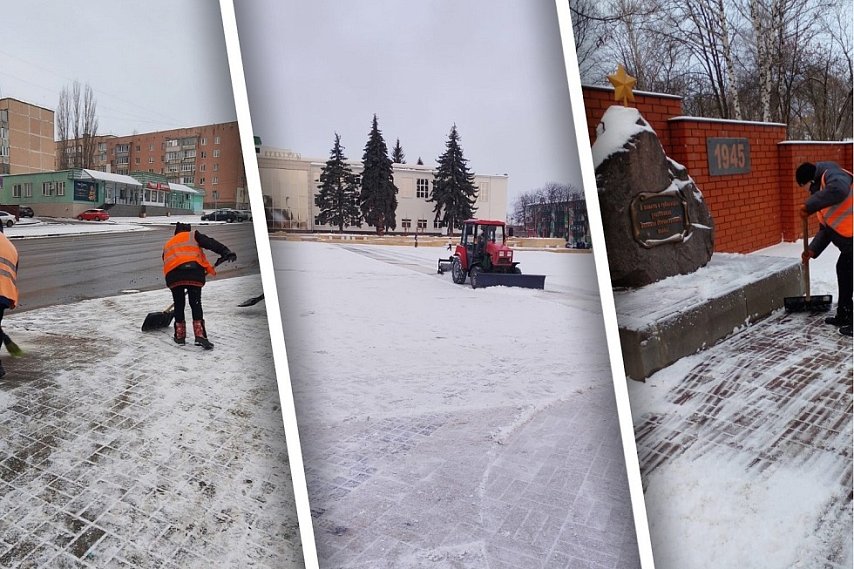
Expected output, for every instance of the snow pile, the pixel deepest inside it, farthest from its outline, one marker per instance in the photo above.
(619, 124)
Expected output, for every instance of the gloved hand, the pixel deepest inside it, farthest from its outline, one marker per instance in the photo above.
(802, 211)
(229, 257)
(806, 256)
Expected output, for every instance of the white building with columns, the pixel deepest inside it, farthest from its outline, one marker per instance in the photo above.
(289, 183)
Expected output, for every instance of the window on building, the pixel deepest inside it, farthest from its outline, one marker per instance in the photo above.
(151, 159)
(216, 167)
(151, 148)
(60, 188)
(137, 147)
(215, 180)
(102, 147)
(422, 188)
(136, 160)
(406, 223)
(189, 154)
(202, 181)
(48, 188)
(122, 148)
(172, 168)
(188, 167)
(187, 180)
(17, 190)
(172, 143)
(123, 160)
(203, 154)
(216, 153)
(204, 142)
(203, 167)
(28, 190)
(422, 224)
(216, 140)
(483, 194)
(171, 156)
(438, 224)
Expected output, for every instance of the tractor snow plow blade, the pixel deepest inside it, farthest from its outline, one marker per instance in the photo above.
(482, 280)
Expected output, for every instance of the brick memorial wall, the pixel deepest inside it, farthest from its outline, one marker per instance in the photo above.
(746, 170)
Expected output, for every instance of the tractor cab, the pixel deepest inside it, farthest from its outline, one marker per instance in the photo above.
(481, 241)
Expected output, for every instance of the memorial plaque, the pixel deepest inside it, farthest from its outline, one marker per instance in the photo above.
(728, 156)
(659, 218)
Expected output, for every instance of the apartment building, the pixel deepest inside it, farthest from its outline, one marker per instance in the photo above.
(26, 138)
(207, 158)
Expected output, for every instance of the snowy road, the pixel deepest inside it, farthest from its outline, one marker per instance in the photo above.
(449, 427)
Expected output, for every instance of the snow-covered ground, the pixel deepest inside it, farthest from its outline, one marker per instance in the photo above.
(745, 448)
(49, 227)
(444, 426)
(119, 448)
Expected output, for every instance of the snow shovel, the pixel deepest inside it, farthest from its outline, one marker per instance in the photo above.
(252, 301)
(157, 320)
(807, 303)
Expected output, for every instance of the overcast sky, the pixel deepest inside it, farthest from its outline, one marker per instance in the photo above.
(153, 65)
(492, 67)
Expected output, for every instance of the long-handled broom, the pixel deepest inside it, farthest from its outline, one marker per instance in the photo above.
(807, 303)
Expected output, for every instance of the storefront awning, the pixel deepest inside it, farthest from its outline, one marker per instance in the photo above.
(182, 188)
(110, 177)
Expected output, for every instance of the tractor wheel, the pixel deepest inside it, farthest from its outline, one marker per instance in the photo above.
(517, 271)
(457, 272)
(475, 271)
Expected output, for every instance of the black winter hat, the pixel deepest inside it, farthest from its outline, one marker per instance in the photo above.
(805, 173)
(179, 227)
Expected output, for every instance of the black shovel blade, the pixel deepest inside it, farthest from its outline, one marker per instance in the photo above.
(815, 303)
(252, 301)
(157, 320)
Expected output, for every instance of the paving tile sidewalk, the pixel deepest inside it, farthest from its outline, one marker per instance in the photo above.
(775, 397)
(120, 449)
(437, 491)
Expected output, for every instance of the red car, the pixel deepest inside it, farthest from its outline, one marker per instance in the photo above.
(94, 215)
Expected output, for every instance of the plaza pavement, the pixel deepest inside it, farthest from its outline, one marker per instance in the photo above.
(120, 449)
(774, 398)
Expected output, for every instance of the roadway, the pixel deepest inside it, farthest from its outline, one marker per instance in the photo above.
(60, 270)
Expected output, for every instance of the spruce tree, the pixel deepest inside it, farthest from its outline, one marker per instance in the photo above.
(420, 162)
(454, 192)
(338, 197)
(397, 155)
(378, 198)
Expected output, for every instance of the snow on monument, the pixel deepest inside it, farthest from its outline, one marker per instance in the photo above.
(655, 220)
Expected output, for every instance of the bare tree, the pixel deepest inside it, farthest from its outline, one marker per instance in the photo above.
(76, 126)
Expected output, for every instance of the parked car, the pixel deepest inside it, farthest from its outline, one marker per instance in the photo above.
(223, 214)
(246, 213)
(7, 218)
(94, 215)
(25, 211)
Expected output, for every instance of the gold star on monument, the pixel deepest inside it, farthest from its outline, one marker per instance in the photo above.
(623, 83)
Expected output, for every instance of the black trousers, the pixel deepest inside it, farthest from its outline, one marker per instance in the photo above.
(194, 293)
(844, 278)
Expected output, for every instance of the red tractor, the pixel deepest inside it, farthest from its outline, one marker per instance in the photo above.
(483, 256)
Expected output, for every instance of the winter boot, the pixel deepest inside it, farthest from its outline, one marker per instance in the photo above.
(201, 335)
(180, 332)
(842, 318)
(2, 371)
(845, 331)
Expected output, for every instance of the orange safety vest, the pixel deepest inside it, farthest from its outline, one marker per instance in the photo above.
(8, 270)
(838, 216)
(182, 248)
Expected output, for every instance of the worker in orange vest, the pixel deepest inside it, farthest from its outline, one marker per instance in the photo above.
(8, 289)
(186, 267)
(831, 200)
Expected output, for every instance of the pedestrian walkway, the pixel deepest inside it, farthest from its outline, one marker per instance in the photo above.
(437, 491)
(121, 449)
(771, 402)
